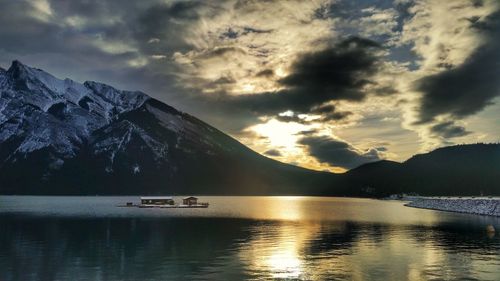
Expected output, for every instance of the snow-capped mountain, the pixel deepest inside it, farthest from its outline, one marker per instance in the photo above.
(40, 111)
(63, 137)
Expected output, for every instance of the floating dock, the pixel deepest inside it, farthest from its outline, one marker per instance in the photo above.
(167, 202)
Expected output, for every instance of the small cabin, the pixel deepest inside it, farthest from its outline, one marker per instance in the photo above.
(191, 200)
(157, 200)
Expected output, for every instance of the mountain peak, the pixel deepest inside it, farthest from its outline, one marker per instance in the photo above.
(44, 90)
(16, 64)
(33, 79)
(17, 69)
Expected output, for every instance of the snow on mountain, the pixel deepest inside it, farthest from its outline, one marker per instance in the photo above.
(38, 110)
(50, 119)
(113, 100)
(120, 137)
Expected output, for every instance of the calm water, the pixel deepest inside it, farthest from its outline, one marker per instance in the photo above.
(236, 238)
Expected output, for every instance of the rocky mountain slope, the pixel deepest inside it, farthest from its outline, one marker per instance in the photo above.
(63, 137)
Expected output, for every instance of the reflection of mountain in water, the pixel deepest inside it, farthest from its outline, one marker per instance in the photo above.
(112, 249)
(44, 248)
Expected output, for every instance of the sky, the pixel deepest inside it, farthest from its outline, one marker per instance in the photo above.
(326, 84)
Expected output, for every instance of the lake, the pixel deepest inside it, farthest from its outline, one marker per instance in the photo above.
(242, 238)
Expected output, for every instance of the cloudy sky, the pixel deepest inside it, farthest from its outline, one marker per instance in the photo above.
(326, 84)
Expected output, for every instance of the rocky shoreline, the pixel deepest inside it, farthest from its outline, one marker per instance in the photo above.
(477, 206)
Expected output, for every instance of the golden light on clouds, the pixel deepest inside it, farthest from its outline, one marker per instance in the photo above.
(284, 137)
(263, 36)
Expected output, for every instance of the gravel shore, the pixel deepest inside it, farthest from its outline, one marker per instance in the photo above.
(478, 206)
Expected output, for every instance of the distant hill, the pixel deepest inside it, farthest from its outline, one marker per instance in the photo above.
(470, 169)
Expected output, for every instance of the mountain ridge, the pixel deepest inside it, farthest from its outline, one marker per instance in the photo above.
(64, 137)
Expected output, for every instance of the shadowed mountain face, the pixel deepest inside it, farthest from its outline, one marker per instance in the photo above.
(63, 137)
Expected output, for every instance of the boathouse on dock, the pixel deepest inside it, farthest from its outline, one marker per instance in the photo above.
(157, 200)
(191, 200)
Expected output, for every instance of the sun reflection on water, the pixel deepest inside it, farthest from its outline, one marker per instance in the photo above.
(276, 250)
(285, 265)
(298, 243)
(275, 247)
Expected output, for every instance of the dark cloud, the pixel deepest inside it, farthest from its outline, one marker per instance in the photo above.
(449, 129)
(340, 72)
(229, 34)
(265, 73)
(18, 31)
(326, 112)
(247, 30)
(337, 73)
(169, 22)
(335, 116)
(234, 32)
(324, 109)
(307, 133)
(466, 89)
(273, 152)
(224, 80)
(329, 113)
(337, 153)
(293, 118)
(386, 91)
